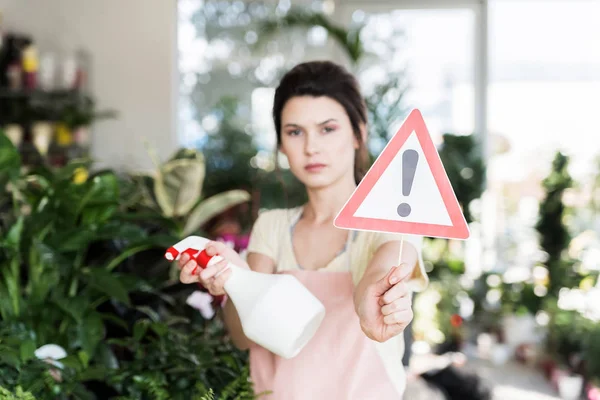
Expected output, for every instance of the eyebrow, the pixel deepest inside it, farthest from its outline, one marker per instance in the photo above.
(322, 123)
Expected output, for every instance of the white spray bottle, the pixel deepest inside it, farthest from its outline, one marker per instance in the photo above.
(276, 311)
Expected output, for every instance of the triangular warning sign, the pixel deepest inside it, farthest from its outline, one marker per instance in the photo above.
(406, 190)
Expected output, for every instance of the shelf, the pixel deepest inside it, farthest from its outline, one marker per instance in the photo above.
(24, 94)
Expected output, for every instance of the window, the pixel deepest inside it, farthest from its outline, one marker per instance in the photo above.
(544, 93)
(434, 48)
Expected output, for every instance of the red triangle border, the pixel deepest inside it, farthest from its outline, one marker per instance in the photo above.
(459, 228)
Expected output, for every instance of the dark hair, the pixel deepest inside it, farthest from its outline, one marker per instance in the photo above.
(325, 78)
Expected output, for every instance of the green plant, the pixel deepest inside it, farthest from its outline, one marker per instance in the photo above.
(463, 162)
(384, 103)
(188, 357)
(554, 235)
(64, 241)
(18, 394)
(173, 194)
(591, 353)
(56, 258)
(229, 164)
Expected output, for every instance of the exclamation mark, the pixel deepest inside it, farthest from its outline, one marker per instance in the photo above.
(410, 159)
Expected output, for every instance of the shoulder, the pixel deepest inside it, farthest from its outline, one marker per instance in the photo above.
(275, 216)
(269, 229)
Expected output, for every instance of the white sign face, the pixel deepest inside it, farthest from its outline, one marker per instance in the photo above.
(406, 190)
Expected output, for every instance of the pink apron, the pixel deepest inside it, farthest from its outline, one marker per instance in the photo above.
(339, 362)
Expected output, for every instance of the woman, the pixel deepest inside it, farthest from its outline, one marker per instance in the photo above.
(321, 123)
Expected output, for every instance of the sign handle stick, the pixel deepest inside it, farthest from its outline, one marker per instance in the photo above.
(401, 246)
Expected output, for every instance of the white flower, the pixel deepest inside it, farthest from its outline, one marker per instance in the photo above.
(201, 301)
(51, 353)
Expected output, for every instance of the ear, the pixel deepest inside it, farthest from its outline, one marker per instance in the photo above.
(363, 134)
(281, 150)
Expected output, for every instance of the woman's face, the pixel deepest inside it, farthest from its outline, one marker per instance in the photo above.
(318, 140)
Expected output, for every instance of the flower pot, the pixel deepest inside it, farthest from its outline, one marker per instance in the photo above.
(485, 345)
(14, 133)
(570, 387)
(556, 374)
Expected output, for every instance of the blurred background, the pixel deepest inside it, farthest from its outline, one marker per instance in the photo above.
(126, 126)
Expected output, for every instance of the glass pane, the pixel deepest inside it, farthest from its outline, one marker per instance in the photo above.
(435, 50)
(544, 94)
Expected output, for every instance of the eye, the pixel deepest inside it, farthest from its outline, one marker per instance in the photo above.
(329, 129)
(294, 132)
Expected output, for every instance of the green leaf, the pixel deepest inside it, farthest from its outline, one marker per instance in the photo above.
(115, 320)
(10, 356)
(91, 332)
(10, 160)
(149, 312)
(123, 231)
(73, 240)
(160, 328)
(98, 213)
(13, 238)
(107, 283)
(106, 357)
(84, 358)
(140, 328)
(178, 186)
(95, 373)
(72, 361)
(212, 207)
(75, 309)
(27, 349)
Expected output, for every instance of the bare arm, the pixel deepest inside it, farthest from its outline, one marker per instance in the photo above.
(259, 263)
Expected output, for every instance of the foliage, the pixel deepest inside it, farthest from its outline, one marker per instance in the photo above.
(19, 394)
(348, 40)
(463, 162)
(173, 194)
(554, 236)
(231, 162)
(384, 102)
(65, 242)
(192, 358)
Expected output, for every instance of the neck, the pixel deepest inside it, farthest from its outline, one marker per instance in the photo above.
(325, 203)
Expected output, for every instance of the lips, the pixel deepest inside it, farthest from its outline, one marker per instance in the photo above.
(314, 167)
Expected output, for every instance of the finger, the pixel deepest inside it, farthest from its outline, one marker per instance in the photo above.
(397, 291)
(383, 285)
(399, 317)
(213, 248)
(401, 304)
(183, 260)
(213, 270)
(186, 275)
(218, 283)
(402, 272)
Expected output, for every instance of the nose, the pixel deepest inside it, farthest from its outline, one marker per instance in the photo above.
(311, 144)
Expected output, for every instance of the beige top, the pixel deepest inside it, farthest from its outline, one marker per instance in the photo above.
(272, 236)
(359, 363)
